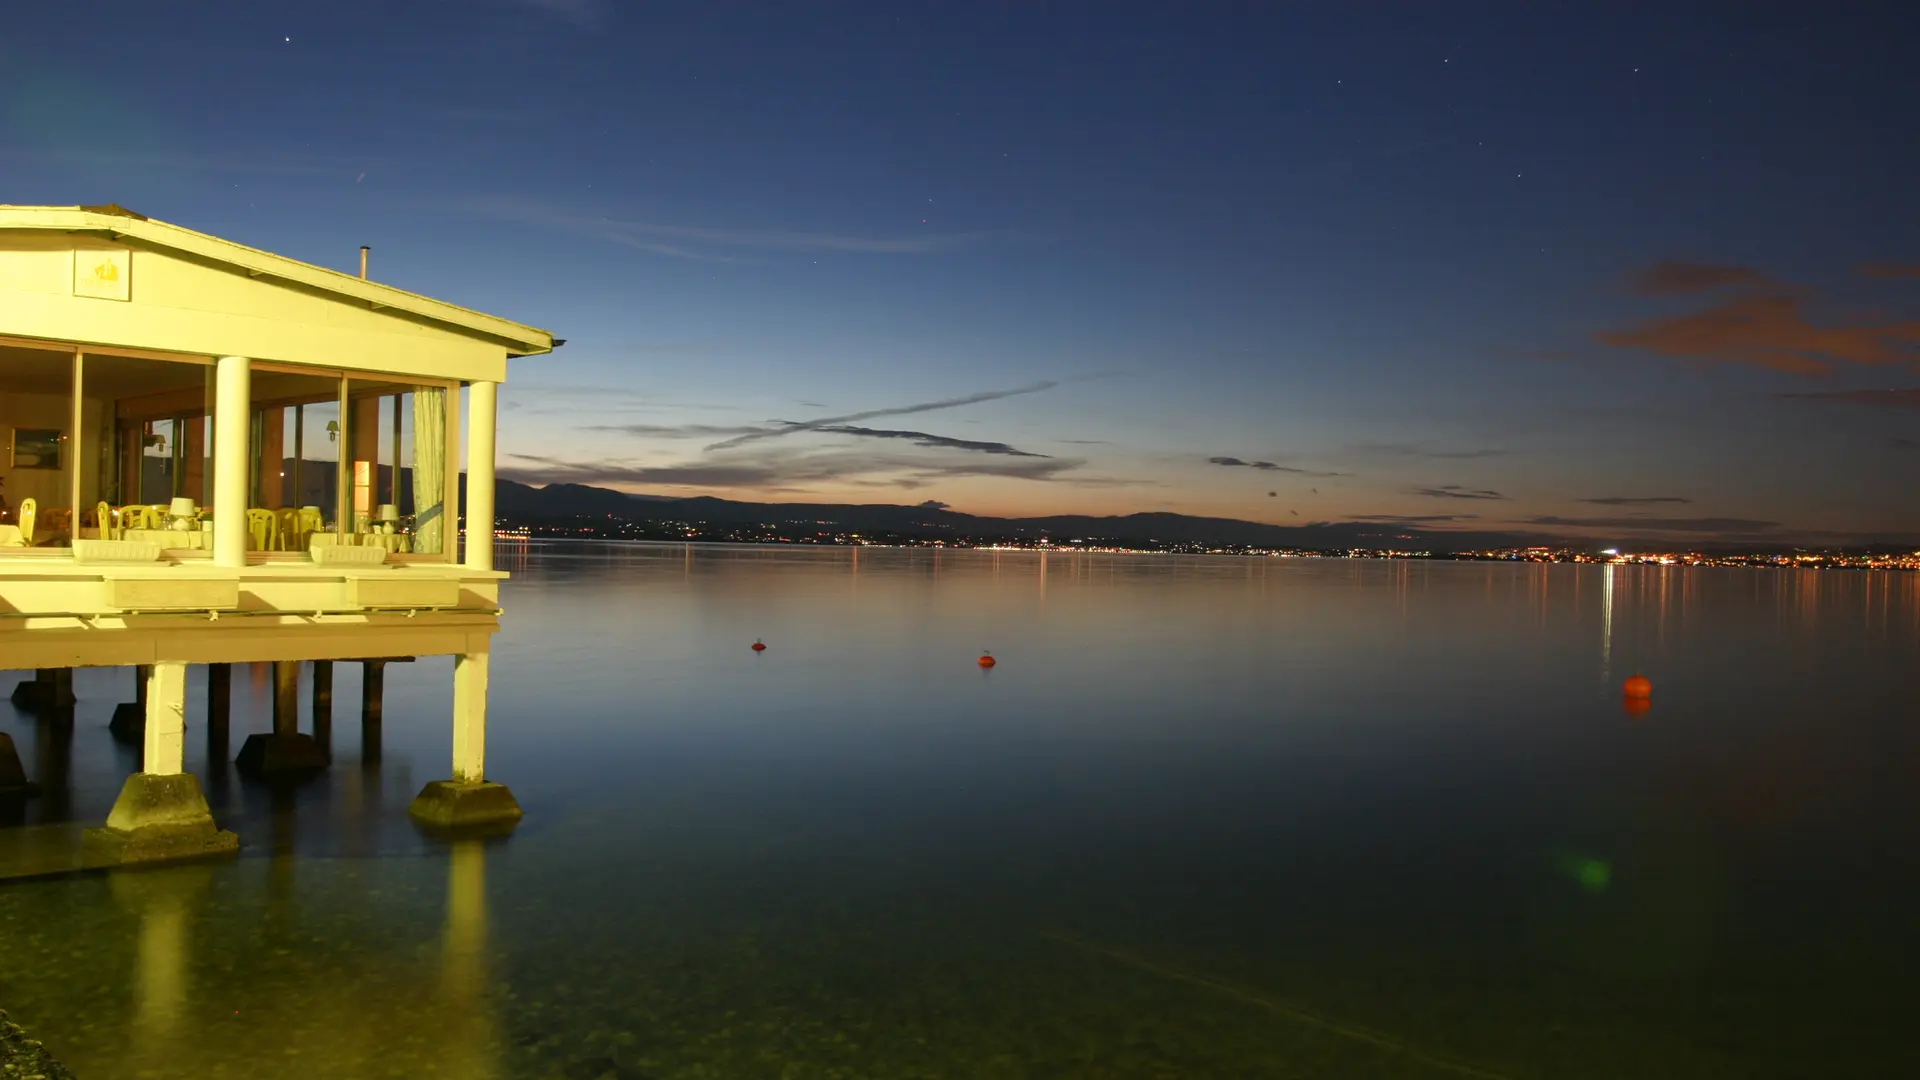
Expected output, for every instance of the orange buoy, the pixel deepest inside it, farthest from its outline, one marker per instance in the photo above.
(759, 646)
(987, 660)
(1639, 687)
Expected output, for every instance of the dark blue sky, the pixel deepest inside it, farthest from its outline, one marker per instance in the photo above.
(1626, 266)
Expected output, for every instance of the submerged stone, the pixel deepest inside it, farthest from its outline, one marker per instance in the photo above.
(264, 754)
(13, 776)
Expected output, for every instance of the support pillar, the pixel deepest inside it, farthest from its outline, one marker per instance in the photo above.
(286, 750)
(468, 799)
(161, 812)
(130, 717)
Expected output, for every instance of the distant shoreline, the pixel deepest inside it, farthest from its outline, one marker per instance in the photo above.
(1834, 560)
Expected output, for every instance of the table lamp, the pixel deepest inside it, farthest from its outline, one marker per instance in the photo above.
(181, 510)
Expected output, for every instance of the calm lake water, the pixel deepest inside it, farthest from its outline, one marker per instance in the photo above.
(1207, 818)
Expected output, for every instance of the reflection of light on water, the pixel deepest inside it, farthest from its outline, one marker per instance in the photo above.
(463, 963)
(1606, 623)
(162, 969)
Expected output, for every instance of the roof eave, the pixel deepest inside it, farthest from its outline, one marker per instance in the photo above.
(118, 223)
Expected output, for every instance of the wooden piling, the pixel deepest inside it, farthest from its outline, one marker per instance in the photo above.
(323, 703)
(373, 685)
(219, 708)
(286, 697)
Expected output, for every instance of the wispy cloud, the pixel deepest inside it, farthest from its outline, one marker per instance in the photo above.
(1702, 525)
(1903, 398)
(1422, 450)
(921, 438)
(137, 161)
(1268, 466)
(795, 427)
(674, 431)
(1770, 331)
(703, 243)
(791, 469)
(1672, 277)
(1890, 269)
(1455, 491)
(656, 248)
(1635, 500)
(1414, 519)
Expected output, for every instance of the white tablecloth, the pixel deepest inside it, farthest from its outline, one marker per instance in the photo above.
(396, 543)
(199, 540)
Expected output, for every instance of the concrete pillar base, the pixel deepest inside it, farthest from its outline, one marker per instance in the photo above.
(129, 723)
(160, 817)
(50, 688)
(265, 754)
(13, 775)
(455, 804)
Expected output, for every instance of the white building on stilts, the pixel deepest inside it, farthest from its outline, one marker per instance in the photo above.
(213, 455)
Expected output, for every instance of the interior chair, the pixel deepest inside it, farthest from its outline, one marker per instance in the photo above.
(292, 536)
(263, 530)
(28, 511)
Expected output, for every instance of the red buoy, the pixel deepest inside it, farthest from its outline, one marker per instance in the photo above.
(986, 660)
(759, 646)
(1639, 687)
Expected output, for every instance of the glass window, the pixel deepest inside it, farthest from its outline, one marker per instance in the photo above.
(397, 484)
(149, 429)
(297, 442)
(38, 464)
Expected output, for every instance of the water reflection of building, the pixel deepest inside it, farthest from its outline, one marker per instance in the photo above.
(298, 995)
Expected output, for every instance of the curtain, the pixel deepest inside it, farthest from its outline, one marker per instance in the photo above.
(429, 470)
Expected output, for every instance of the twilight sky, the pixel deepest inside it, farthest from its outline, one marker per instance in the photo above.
(1640, 270)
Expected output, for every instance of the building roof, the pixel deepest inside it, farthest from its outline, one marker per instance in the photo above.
(118, 223)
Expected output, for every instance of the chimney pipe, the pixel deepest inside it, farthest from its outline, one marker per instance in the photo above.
(363, 262)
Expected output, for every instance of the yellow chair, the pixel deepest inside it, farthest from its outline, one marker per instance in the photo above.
(310, 522)
(138, 517)
(263, 531)
(28, 511)
(292, 537)
(103, 520)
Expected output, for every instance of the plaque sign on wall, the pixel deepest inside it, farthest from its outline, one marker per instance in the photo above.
(103, 275)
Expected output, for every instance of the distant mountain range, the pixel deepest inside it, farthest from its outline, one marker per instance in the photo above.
(521, 504)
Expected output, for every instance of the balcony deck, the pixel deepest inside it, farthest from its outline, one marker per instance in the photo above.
(56, 612)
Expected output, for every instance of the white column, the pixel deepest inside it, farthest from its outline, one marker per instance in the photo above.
(470, 717)
(166, 717)
(483, 409)
(232, 471)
